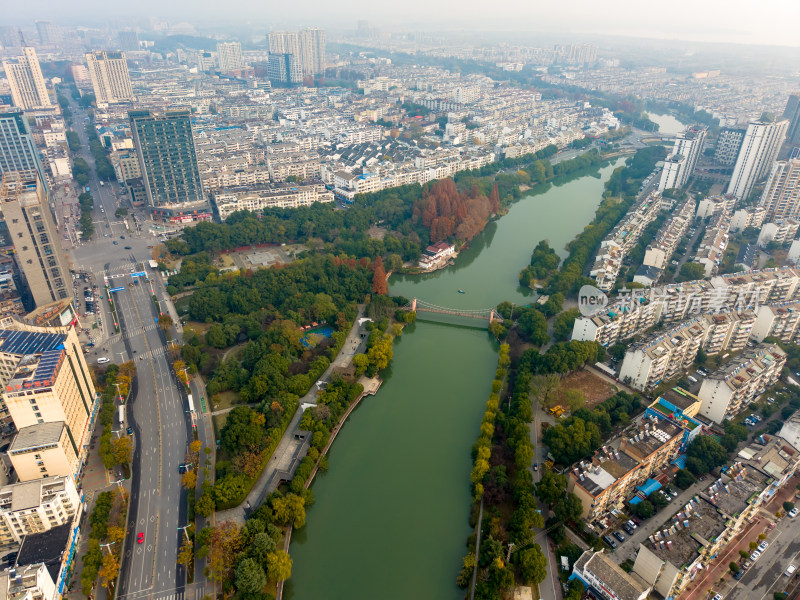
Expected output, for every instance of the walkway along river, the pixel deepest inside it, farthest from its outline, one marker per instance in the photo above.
(391, 516)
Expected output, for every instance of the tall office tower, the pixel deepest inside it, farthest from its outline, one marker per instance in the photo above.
(28, 90)
(128, 41)
(680, 165)
(792, 114)
(49, 396)
(229, 55)
(759, 150)
(11, 37)
(781, 197)
(26, 210)
(49, 33)
(729, 142)
(110, 78)
(167, 158)
(312, 47)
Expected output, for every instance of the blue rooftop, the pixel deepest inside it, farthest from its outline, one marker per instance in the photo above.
(47, 368)
(30, 342)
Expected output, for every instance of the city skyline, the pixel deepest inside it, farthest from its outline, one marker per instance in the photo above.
(737, 23)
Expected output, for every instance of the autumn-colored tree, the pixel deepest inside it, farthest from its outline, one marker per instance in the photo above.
(189, 479)
(279, 566)
(186, 554)
(360, 362)
(290, 510)
(109, 570)
(494, 199)
(445, 211)
(195, 446)
(276, 407)
(379, 277)
(249, 462)
(121, 449)
(115, 534)
(381, 353)
(165, 321)
(180, 368)
(224, 545)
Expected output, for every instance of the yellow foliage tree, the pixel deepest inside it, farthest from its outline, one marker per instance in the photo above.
(109, 569)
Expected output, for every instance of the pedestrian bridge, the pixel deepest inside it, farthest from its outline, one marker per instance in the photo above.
(484, 314)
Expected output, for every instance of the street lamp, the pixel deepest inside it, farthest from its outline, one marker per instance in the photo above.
(121, 354)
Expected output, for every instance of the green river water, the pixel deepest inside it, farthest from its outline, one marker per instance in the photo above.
(391, 516)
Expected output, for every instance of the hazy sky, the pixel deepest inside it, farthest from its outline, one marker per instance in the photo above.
(773, 22)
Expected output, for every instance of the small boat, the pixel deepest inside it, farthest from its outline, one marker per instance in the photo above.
(461, 292)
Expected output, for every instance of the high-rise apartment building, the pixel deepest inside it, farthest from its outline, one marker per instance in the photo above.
(285, 68)
(680, 165)
(284, 42)
(729, 142)
(312, 47)
(110, 78)
(49, 395)
(792, 114)
(26, 210)
(167, 157)
(781, 197)
(128, 41)
(28, 90)
(17, 150)
(760, 147)
(49, 32)
(229, 55)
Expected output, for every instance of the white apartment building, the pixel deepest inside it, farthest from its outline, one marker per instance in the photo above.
(663, 355)
(752, 216)
(729, 142)
(621, 240)
(714, 204)
(714, 243)
(110, 78)
(36, 506)
(28, 89)
(680, 165)
(781, 197)
(740, 381)
(782, 231)
(759, 150)
(660, 250)
(256, 199)
(229, 55)
(777, 320)
(29, 582)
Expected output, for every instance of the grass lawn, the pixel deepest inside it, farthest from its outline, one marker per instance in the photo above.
(223, 400)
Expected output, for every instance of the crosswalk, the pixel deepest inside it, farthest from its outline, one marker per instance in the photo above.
(129, 336)
(154, 353)
(174, 596)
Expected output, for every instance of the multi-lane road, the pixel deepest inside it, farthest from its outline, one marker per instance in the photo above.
(157, 410)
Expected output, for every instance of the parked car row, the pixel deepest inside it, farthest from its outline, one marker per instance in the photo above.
(752, 420)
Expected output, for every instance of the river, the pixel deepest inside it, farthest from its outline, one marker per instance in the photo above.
(390, 519)
(666, 123)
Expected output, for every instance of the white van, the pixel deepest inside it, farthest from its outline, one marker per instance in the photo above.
(790, 571)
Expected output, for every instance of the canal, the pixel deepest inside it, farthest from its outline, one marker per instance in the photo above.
(666, 123)
(391, 517)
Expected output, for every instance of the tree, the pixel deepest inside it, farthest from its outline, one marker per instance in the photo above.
(108, 572)
(379, 277)
(551, 488)
(734, 567)
(360, 362)
(691, 271)
(564, 323)
(569, 509)
(532, 325)
(189, 479)
(683, 479)
(164, 322)
(644, 509)
(533, 565)
(290, 510)
(204, 505)
(121, 449)
(224, 544)
(186, 554)
(380, 355)
(279, 566)
(704, 454)
(787, 506)
(617, 351)
(250, 576)
(545, 388)
(743, 553)
(115, 534)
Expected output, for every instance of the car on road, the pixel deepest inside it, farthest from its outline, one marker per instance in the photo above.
(717, 597)
(140, 537)
(628, 529)
(115, 242)
(793, 513)
(619, 536)
(790, 571)
(103, 360)
(122, 237)
(127, 247)
(610, 541)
